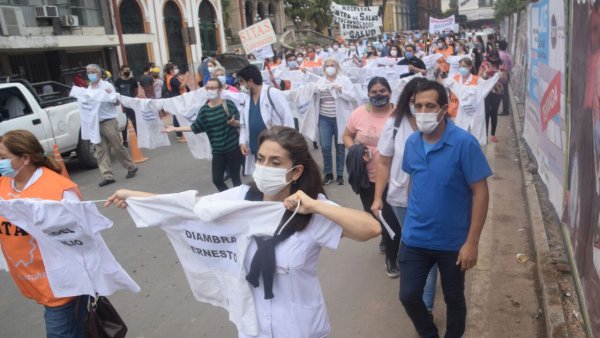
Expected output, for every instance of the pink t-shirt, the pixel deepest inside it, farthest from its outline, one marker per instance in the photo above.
(368, 127)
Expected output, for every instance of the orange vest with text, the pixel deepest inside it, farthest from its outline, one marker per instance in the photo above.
(453, 103)
(21, 250)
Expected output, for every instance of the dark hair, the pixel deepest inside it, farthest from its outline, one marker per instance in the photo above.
(168, 68)
(379, 80)
(290, 55)
(217, 81)
(250, 72)
(22, 142)
(124, 67)
(149, 66)
(402, 108)
(414, 48)
(434, 85)
(467, 61)
(494, 58)
(310, 181)
(503, 45)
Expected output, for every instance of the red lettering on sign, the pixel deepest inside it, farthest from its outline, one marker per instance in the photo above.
(550, 104)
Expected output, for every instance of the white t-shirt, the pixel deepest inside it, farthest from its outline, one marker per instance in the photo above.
(394, 147)
(192, 226)
(76, 259)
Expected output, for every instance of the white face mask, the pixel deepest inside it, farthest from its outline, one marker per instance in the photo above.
(299, 60)
(244, 89)
(393, 53)
(427, 122)
(175, 71)
(330, 70)
(212, 94)
(210, 69)
(270, 181)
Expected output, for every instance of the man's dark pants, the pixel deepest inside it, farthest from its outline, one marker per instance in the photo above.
(415, 264)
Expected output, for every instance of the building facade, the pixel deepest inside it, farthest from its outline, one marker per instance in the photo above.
(426, 9)
(478, 12)
(50, 39)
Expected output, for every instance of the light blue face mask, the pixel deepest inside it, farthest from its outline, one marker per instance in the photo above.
(463, 71)
(92, 77)
(6, 168)
(222, 79)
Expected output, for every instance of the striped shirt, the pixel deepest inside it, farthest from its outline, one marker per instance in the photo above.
(326, 103)
(213, 121)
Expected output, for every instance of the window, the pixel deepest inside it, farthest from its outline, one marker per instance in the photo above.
(12, 105)
(486, 3)
(88, 12)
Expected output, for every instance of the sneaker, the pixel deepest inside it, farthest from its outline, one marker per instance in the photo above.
(391, 268)
(131, 173)
(106, 182)
(381, 246)
(327, 179)
(494, 139)
(340, 180)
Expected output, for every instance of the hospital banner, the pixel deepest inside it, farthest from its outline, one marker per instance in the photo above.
(357, 22)
(582, 212)
(545, 119)
(441, 25)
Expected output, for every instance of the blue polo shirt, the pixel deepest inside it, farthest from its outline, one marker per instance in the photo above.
(438, 216)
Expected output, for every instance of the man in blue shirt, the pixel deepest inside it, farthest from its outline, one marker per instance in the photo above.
(447, 207)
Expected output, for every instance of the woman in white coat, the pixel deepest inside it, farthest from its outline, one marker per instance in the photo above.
(471, 92)
(334, 99)
(264, 108)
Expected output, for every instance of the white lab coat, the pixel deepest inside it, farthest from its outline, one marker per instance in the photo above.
(345, 103)
(471, 108)
(281, 115)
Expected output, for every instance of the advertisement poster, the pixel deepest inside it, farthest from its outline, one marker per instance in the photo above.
(582, 213)
(545, 118)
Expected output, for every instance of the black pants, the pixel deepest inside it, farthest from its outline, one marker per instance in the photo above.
(176, 125)
(391, 245)
(492, 103)
(232, 161)
(130, 113)
(506, 98)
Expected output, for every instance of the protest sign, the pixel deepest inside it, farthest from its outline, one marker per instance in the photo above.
(258, 35)
(441, 25)
(263, 52)
(357, 22)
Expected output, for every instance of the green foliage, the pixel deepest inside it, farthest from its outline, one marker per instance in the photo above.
(315, 11)
(226, 15)
(503, 8)
(453, 10)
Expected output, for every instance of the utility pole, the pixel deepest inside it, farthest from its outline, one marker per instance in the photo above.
(119, 31)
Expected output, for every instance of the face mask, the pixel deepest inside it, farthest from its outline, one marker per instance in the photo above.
(409, 55)
(244, 89)
(379, 100)
(318, 50)
(393, 53)
(270, 181)
(127, 74)
(330, 71)
(299, 60)
(440, 45)
(293, 64)
(412, 108)
(210, 69)
(335, 47)
(6, 168)
(463, 71)
(427, 122)
(353, 48)
(175, 71)
(92, 77)
(212, 94)
(222, 79)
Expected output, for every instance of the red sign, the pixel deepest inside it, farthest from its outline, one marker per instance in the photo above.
(550, 105)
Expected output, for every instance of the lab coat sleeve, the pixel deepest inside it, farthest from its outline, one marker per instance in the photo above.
(244, 122)
(283, 108)
(484, 87)
(348, 93)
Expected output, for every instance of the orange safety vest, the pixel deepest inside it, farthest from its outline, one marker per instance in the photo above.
(312, 64)
(453, 104)
(21, 250)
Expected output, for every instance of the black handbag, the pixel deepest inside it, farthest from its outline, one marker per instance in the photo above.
(102, 320)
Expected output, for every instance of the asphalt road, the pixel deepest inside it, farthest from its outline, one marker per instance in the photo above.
(361, 299)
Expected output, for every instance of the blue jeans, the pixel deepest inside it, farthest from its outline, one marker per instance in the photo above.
(415, 265)
(429, 292)
(64, 321)
(328, 129)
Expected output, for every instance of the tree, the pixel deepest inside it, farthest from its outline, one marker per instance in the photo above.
(315, 10)
(453, 10)
(504, 8)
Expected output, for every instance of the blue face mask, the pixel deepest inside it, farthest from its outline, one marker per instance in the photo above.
(6, 168)
(409, 55)
(293, 64)
(92, 77)
(463, 71)
(222, 79)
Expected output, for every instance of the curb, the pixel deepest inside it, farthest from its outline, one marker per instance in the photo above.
(551, 300)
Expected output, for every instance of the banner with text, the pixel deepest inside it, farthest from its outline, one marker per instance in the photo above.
(357, 22)
(258, 35)
(441, 25)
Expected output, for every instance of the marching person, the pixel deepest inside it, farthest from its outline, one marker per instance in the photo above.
(364, 127)
(126, 85)
(27, 173)
(109, 131)
(490, 67)
(265, 107)
(220, 74)
(508, 63)
(415, 65)
(287, 173)
(219, 120)
(176, 85)
(447, 208)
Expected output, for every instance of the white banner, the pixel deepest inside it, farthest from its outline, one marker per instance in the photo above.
(264, 52)
(258, 35)
(357, 22)
(441, 25)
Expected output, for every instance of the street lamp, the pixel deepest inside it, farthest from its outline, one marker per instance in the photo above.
(297, 20)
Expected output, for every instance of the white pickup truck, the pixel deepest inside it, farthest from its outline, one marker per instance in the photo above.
(51, 117)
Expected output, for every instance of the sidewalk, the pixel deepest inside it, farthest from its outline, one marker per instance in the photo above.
(502, 294)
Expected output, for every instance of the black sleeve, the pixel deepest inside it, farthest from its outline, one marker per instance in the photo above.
(420, 64)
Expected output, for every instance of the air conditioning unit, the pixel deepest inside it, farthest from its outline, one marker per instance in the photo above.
(12, 21)
(42, 12)
(69, 21)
